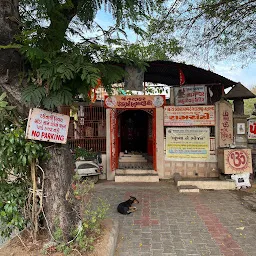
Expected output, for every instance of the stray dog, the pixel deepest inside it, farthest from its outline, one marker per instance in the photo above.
(126, 207)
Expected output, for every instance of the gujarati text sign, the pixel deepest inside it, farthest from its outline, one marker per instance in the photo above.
(237, 161)
(189, 115)
(188, 144)
(47, 126)
(135, 101)
(225, 127)
(190, 95)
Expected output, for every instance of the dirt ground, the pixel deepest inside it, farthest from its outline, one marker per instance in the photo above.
(23, 245)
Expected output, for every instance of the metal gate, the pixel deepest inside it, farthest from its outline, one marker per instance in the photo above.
(87, 128)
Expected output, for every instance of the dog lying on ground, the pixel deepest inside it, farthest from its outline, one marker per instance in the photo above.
(126, 207)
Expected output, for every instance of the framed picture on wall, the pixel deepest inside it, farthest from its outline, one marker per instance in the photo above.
(240, 128)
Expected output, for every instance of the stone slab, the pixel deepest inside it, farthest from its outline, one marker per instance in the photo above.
(188, 189)
(136, 178)
(209, 184)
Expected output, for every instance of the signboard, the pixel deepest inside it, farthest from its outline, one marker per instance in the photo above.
(188, 144)
(224, 121)
(190, 95)
(237, 161)
(252, 129)
(47, 126)
(189, 115)
(135, 101)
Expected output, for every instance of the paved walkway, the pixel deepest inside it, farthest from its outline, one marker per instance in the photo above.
(171, 223)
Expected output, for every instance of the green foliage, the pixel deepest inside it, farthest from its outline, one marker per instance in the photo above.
(249, 104)
(6, 115)
(33, 94)
(56, 78)
(16, 154)
(89, 227)
(81, 153)
(60, 70)
(12, 199)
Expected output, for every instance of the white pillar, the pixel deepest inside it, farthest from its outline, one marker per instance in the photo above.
(160, 142)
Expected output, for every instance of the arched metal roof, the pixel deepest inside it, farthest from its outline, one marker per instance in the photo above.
(167, 72)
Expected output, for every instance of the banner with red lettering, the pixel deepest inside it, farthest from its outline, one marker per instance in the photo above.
(47, 126)
(189, 115)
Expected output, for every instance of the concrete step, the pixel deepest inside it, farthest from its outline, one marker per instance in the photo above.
(209, 184)
(188, 189)
(135, 166)
(136, 178)
(136, 175)
(131, 155)
(132, 160)
(135, 171)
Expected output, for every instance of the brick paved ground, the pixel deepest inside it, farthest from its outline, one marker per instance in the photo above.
(170, 223)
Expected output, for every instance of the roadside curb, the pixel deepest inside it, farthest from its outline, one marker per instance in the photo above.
(113, 238)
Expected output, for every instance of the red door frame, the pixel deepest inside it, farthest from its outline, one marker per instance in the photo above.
(115, 140)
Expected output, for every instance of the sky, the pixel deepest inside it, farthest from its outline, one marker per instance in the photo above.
(233, 71)
(246, 76)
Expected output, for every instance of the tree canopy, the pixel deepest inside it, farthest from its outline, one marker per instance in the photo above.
(216, 29)
(61, 67)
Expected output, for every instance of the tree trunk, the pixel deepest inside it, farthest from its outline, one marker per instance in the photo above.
(59, 170)
(10, 59)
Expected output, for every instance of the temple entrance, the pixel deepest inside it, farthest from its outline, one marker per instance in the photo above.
(135, 139)
(134, 131)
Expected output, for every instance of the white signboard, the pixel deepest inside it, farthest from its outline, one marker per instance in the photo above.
(189, 115)
(188, 144)
(190, 95)
(47, 126)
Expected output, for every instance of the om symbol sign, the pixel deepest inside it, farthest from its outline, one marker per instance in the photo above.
(238, 159)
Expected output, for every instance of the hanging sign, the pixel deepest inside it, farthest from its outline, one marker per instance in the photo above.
(135, 101)
(237, 161)
(189, 115)
(47, 126)
(190, 95)
(188, 144)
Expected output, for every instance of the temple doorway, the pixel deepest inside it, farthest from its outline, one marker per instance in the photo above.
(135, 139)
(134, 131)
